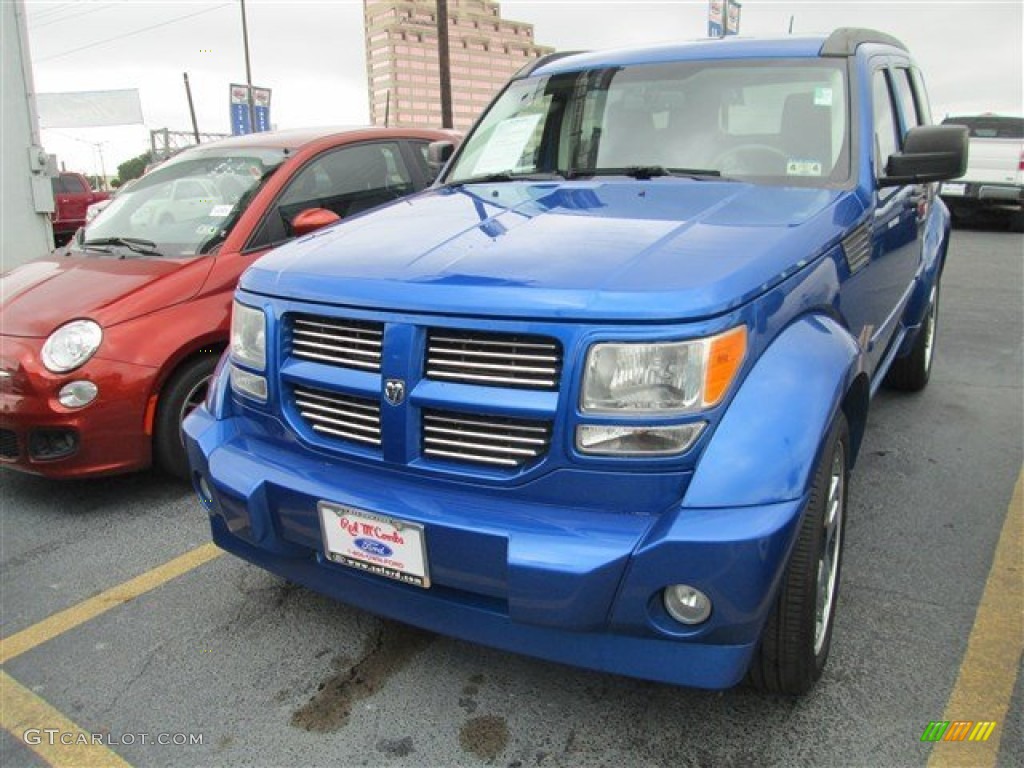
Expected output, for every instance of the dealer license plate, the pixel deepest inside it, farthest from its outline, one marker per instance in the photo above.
(373, 543)
(954, 190)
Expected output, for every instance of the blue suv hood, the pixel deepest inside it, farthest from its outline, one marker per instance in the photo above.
(664, 249)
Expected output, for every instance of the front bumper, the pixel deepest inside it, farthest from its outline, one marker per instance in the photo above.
(570, 584)
(40, 436)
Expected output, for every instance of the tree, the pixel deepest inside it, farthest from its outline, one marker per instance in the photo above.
(132, 169)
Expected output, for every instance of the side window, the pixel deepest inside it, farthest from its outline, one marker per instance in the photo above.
(885, 123)
(905, 95)
(68, 185)
(419, 155)
(348, 181)
(921, 96)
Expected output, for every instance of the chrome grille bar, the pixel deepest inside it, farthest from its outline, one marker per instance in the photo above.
(493, 440)
(494, 359)
(337, 341)
(339, 415)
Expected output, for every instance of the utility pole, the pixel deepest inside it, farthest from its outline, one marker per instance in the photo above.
(248, 71)
(191, 107)
(444, 65)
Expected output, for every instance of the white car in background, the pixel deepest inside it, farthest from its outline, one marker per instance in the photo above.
(994, 180)
(184, 200)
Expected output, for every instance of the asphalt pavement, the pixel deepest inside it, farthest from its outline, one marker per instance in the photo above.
(268, 674)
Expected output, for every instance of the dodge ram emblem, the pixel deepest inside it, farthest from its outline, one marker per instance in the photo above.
(394, 391)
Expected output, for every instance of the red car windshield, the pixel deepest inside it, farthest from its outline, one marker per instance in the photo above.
(182, 206)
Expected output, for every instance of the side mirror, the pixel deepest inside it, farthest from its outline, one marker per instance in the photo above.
(312, 219)
(439, 153)
(930, 153)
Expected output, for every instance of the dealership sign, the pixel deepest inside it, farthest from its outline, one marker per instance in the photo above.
(723, 18)
(241, 120)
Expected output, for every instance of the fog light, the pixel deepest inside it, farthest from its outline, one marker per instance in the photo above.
(637, 440)
(248, 384)
(77, 394)
(686, 604)
(49, 444)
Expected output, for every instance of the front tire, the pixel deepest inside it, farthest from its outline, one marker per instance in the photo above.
(184, 392)
(911, 373)
(796, 639)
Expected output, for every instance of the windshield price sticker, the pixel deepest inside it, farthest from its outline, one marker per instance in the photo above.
(803, 168)
(373, 543)
(507, 144)
(220, 211)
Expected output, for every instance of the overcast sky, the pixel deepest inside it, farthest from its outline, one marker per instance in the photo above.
(312, 54)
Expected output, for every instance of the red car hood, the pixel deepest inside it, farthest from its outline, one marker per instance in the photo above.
(38, 297)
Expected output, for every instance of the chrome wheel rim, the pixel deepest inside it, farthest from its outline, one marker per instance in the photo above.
(929, 331)
(193, 400)
(828, 560)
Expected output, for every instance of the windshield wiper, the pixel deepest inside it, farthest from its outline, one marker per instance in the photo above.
(651, 171)
(489, 178)
(135, 244)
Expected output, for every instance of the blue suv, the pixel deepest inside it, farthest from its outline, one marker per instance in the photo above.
(595, 396)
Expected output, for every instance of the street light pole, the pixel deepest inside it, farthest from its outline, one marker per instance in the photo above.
(444, 67)
(191, 107)
(248, 71)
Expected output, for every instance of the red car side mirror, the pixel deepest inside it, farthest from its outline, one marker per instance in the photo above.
(312, 219)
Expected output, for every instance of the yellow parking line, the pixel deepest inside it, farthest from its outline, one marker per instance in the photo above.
(25, 716)
(59, 623)
(988, 672)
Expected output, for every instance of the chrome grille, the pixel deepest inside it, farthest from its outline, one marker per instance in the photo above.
(493, 440)
(493, 359)
(335, 341)
(337, 415)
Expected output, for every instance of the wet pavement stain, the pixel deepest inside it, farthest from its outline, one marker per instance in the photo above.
(485, 736)
(396, 747)
(386, 652)
(466, 700)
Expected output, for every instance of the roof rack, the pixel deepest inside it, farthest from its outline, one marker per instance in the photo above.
(845, 41)
(536, 64)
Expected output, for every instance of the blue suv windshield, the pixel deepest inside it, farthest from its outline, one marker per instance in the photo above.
(772, 121)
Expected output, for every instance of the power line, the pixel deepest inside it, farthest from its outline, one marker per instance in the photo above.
(53, 10)
(91, 9)
(132, 34)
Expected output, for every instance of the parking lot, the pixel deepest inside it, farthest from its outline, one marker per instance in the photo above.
(120, 619)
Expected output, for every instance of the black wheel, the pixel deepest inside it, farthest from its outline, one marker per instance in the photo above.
(911, 373)
(183, 392)
(795, 641)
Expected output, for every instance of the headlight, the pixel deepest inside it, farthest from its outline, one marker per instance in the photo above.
(249, 336)
(665, 378)
(71, 345)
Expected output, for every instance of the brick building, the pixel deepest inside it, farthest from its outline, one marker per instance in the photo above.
(402, 67)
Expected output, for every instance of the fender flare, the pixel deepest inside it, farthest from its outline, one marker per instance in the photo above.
(766, 446)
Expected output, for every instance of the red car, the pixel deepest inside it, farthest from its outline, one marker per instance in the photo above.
(72, 197)
(106, 345)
